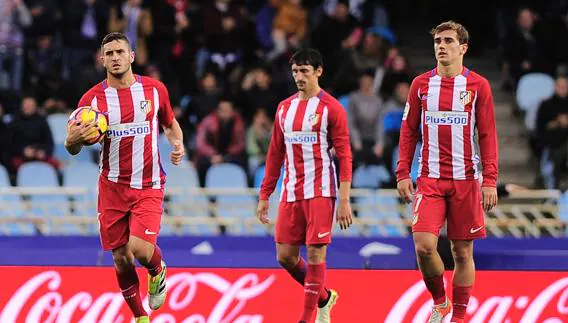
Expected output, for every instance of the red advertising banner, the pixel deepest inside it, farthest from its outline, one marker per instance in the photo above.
(89, 295)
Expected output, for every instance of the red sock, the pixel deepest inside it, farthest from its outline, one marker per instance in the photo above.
(299, 275)
(461, 296)
(129, 286)
(435, 286)
(155, 265)
(315, 278)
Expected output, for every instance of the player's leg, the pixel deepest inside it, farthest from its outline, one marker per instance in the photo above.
(320, 212)
(144, 229)
(465, 224)
(113, 223)
(429, 212)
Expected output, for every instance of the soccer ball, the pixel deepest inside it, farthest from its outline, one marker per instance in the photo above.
(89, 114)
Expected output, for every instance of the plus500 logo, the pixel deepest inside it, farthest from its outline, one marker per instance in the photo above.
(446, 118)
(129, 130)
(300, 137)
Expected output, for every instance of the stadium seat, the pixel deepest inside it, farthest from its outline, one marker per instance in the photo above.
(370, 176)
(58, 126)
(233, 206)
(259, 176)
(533, 88)
(40, 174)
(381, 207)
(11, 205)
(86, 175)
(415, 161)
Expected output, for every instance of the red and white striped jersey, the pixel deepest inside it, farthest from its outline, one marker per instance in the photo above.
(129, 153)
(447, 111)
(304, 133)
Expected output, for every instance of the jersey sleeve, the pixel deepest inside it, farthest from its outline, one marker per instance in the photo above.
(274, 159)
(409, 132)
(165, 111)
(86, 99)
(487, 134)
(339, 134)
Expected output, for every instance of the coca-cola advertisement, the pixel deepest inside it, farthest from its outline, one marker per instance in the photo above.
(89, 295)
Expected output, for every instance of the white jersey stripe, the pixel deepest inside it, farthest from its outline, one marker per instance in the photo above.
(432, 101)
(114, 116)
(291, 171)
(308, 150)
(280, 122)
(474, 156)
(325, 175)
(137, 92)
(155, 134)
(458, 161)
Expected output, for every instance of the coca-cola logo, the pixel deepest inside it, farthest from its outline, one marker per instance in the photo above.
(183, 289)
(494, 309)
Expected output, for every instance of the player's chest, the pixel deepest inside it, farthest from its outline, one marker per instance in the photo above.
(304, 124)
(447, 104)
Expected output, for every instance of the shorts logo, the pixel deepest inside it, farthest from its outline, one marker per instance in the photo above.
(129, 129)
(313, 119)
(465, 97)
(472, 230)
(321, 235)
(449, 118)
(301, 137)
(146, 106)
(148, 232)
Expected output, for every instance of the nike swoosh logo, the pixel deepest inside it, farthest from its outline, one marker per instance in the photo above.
(321, 235)
(472, 230)
(311, 284)
(149, 232)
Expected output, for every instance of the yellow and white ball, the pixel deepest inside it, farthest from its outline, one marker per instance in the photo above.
(89, 114)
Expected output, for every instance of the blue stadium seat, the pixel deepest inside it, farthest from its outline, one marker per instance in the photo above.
(533, 88)
(40, 174)
(415, 161)
(384, 207)
(370, 176)
(86, 175)
(58, 125)
(11, 205)
(233, 206)
(259, 176)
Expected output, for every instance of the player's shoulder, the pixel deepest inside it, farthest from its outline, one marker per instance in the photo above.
(474, 78)
(95, 91)
(146, 80)
(286, 102)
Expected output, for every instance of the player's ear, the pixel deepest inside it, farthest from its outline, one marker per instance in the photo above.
(132, 56)
(464, 48)
(319, 71)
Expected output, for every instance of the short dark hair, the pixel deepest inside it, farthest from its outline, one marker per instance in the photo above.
(463, 35)
(307, 56)
(115, 36)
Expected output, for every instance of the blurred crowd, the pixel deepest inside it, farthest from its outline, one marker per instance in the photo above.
(225, 63)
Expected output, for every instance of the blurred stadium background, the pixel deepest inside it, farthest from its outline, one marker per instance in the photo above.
(211, 53)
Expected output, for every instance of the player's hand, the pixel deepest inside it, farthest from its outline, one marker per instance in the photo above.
(78, 132)
(405, 189)
(177, 154)
(489, 197)
(262, 211)
(344, 215)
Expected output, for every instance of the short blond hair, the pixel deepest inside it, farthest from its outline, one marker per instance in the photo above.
(463, 34)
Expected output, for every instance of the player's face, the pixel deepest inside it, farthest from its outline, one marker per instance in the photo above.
(447, 48)
(117, 57)
(305, 76)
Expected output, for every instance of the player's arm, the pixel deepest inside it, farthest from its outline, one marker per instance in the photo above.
(273, 165)
(339, 135)
(409, 135)
(274, 160)
(170, 125)
(487, 134)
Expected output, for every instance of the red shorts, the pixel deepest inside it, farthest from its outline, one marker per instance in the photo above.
(125, 211)
(458, 201)
(305, 222)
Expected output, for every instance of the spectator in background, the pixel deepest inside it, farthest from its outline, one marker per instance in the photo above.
(523, 47)
(390, 120)
(85, 23)
(364, 110)
(220, 139)
(31, 136)
(289, 27)
(258, 140)
(560, 41)
(45, 17)
(396, 71)
(5, 140)
(135, 22)
(552, 130)
(206, 100)
(14, 17)
(222, 24)
(258, 92)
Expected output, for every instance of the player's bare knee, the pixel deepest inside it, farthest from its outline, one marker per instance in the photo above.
(425, 250)
(316, 253)
(287, 261)
(122, 258)
(462, 254)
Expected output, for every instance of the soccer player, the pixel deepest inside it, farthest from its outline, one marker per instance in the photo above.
(131, 181)
(307, 126)
(446, 105)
